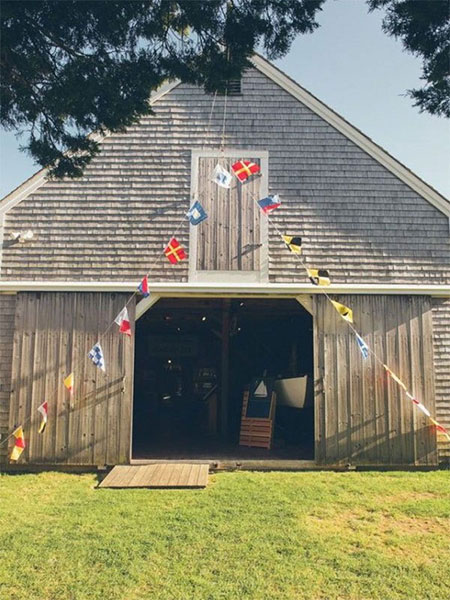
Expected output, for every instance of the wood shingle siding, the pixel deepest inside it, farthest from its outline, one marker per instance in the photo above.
(362, 416)
(356, 218)
(441, 341)
(54, 332)
(7, 310)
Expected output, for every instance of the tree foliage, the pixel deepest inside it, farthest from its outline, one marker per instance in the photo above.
(424, 28)
(71, 67)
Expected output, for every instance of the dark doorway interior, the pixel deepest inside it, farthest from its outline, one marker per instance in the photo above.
(195, 358)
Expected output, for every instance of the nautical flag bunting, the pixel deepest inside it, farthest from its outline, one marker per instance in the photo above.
(294, 243)
(345, 312)
(97, 357)
(175, 251)
(43, 409)
(440, 428)
(221, 176)
(319, 276)
(243, 169)
(19, 444)
(68, 382)
(123, 321)
(269, 203)
(143, 287)
(362, 346)
(196, 213)
(395, 378)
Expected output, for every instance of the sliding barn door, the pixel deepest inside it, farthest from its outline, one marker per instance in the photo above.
(362, 416)
(53, 335)
(230, 239)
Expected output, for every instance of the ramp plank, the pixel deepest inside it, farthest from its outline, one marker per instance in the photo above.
(166, 475)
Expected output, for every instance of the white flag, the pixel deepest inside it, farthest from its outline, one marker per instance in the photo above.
(222, 177)
(97, 357)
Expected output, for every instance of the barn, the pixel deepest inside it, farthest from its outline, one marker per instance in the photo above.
(240, 307)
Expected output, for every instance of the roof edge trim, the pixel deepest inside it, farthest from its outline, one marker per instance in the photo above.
(352, 133)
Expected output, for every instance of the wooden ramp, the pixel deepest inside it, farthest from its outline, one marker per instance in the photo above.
(161, 475)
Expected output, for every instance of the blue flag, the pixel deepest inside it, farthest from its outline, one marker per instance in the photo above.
(96, 355)
(196, 213)
(362, 346)
(269, 203)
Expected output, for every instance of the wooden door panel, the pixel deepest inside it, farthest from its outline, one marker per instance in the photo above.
(230, 238)
(53, 335)
(362, 415)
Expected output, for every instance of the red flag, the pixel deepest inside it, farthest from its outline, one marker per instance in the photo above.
(143, 287)
(244, 168)
(175, 251)
(123, 321)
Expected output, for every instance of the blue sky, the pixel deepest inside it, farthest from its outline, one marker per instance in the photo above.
(360, 72)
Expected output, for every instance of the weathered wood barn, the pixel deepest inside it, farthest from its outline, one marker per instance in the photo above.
(240, 305)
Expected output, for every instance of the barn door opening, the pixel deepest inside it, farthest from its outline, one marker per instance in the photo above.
(194, 360)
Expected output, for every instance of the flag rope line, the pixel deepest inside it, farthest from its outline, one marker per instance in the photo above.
(100, 336)
(29, 419)
(298, 256)
(440, 428)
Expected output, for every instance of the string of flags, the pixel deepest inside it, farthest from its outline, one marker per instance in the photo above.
(175, 253)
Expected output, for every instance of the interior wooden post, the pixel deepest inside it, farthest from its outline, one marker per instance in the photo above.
(224, 390)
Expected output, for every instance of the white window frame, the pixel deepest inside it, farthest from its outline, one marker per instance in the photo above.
(230, 276)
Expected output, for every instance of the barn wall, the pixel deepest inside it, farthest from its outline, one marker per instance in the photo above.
(54, 332)
(7, 310)
(356, 218)
(441, 324)
(362, 416)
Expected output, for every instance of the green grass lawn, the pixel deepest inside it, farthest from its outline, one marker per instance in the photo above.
(248, 535)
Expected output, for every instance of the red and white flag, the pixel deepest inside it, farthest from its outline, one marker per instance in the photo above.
(43, 409)
(123, 321)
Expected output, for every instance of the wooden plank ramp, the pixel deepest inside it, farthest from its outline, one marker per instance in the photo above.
(161, 475)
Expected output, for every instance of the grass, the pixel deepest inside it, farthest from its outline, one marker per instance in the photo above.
(286, 536)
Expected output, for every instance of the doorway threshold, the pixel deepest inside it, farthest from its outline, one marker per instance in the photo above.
(233, 464)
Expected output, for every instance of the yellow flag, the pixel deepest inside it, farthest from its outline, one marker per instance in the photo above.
(395, 378)
(345, 312)
(19, 445)
(294, 243)
(68, 382)
(319, 276)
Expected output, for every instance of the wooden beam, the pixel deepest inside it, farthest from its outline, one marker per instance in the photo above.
(143, 306)
(225, 364)
(306, 301)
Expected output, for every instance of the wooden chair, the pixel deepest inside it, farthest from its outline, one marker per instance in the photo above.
(257, 431)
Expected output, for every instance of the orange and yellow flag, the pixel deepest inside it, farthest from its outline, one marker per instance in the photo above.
(19, 444)
(68, 382)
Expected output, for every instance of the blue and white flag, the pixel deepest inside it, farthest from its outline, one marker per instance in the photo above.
(362, 346)
(96, 355)
(196, 213)
(222, 177)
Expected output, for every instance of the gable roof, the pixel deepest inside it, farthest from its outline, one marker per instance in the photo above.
(351, 132)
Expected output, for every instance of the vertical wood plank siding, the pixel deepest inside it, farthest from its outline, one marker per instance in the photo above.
(361, 415)
(441, 339)
(228, 240)
(356, 218)
(7, 310)
(54, 332)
